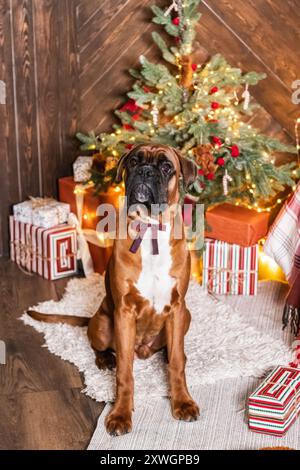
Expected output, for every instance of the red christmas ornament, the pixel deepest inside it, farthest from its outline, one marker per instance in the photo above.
(176, 21)
(213, 90)
(200, 172)
(215, 105)
(221, 161)
(130, 106)
(127, 127)
(217, 141)
(194, 67)
(210, 176)
(135, 117)
(235, 151)
(129, 146)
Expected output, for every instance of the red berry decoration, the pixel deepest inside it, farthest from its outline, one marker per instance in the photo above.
(215, 105)
(127, 127)
(200, 172)
(213, 120)
(235, 151)
(135, 117)
(217, 141)
(146, 89)
(194, 67)
(213, 90)
(129, 146)
(221, 161)
(176, 21)
(210, 176)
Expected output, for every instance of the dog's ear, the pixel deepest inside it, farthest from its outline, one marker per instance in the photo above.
(120, 167)
(188, 168)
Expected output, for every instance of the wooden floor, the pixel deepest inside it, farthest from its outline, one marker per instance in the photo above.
(41, 404)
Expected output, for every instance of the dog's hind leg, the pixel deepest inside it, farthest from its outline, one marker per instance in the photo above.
(101, 337)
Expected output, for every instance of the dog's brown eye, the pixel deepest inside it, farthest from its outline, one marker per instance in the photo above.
(134, 161)
(167, 168)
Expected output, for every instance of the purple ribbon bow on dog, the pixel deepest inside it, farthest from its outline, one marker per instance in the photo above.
(141, 228)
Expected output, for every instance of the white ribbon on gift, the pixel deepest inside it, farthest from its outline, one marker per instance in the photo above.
(85, 236)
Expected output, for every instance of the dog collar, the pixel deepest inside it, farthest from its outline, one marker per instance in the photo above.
(141, 228)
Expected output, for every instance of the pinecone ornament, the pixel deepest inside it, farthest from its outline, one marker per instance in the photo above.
(204, 158)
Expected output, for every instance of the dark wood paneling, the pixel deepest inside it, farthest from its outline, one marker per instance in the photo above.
(26, 119)
(9, 150)
(39, 63)
(258, 35)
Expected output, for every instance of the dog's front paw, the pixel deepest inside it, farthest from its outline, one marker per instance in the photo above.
(185, 410)
(118, 424)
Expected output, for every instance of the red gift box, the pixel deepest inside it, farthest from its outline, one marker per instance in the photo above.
(275, 404)
(236, 224)
(67, 190)
(50, 252)
(230, 269)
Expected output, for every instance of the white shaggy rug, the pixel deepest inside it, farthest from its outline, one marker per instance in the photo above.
(220, 344)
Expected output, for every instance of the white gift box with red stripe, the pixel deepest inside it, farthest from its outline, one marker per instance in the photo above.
(51, 252)
(275, 404)
(230, 269)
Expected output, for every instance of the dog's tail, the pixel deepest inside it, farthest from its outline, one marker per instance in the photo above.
(67, 319)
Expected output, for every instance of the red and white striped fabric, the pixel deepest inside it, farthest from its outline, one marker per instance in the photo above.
(49, 252)
(275, 404)
(230, 269)
(283, 241)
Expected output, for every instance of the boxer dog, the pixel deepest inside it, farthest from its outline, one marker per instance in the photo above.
(146, 281)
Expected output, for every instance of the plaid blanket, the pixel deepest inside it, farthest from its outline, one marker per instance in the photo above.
(283, 245)
(284, 237)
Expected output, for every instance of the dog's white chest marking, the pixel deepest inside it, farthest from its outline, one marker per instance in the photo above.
(155, 283)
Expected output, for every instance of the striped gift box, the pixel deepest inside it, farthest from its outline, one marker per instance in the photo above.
(51, 253)
(275, 404)
(230, 269)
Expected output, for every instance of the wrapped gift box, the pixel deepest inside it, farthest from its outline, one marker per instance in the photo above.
(236, 224)
(275, 404)
(230, 269)
(67, 193)
(50, 253)
(82, 169)
(42, 212)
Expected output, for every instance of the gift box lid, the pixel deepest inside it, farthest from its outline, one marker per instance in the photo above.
(278, 395)
(236, 224)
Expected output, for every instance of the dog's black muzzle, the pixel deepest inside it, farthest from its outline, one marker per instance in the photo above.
(144, 186)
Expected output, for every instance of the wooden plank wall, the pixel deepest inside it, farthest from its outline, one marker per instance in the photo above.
(38, 63)
(65, 66)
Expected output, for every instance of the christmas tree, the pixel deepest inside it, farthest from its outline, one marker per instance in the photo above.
(199, 109)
